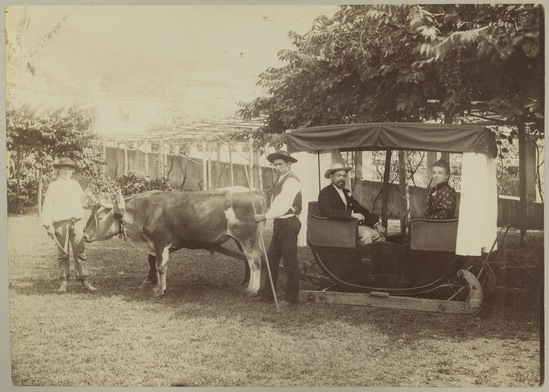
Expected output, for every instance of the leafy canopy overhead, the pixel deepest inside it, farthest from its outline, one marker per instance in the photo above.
(374, 63)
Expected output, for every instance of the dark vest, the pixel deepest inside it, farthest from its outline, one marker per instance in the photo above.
(296, 205)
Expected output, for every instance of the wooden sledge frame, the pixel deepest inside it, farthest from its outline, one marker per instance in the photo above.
(383, 300)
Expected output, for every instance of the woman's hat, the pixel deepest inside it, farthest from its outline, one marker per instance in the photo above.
(65, 162)
(281, 154)
(336, 167)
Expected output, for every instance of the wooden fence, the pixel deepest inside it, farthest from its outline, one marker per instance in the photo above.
(192, 174)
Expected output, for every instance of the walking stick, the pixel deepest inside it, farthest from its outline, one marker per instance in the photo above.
(65, 248)
(273, 290)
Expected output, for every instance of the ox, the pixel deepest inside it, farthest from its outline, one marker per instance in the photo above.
(163, 222)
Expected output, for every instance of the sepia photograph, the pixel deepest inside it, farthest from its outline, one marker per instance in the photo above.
(273, 195)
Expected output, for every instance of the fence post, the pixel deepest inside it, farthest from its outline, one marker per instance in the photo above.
(204, 167)
(146, 149)
(126, 163)
(522, 181)
(231, 162)
(104, 167)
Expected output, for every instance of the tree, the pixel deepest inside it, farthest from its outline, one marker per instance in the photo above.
(407, 63)
(35, 139)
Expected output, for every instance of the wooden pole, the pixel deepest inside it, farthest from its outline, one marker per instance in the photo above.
(231, 163)
(18, 172)
(209, 167)
(403, 191)
(251, 161)
(448, 119)
(431, 159)
(204, 167)
(358, 176)
(40, 192)
(126, 163)
(522, 180)
(385, 196)
(104, 167)
(259, 171)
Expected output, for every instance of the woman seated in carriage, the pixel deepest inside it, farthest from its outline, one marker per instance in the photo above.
(441, 203)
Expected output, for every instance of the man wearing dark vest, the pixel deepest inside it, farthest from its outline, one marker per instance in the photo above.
(285, 209)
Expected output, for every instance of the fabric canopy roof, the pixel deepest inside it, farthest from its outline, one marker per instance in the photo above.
(396, 136)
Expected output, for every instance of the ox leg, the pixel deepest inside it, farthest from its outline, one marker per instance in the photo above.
(152, 277)
(246, 279)
(254, 254)
(162, 256)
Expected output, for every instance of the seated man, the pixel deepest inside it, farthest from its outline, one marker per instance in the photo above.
(336, 202)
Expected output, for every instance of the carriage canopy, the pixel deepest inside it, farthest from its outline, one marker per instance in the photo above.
(396, 136)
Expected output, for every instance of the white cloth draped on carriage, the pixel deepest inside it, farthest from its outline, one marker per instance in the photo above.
(478, 209)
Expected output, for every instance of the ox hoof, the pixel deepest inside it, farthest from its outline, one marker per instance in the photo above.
(157, 292)
(251, 294)
(147, 284)
(63, 287)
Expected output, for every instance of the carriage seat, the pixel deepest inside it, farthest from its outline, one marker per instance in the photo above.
(433, 234)
(326, 232)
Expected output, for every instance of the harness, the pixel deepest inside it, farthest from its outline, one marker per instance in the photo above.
(121, 229)
(121, 225)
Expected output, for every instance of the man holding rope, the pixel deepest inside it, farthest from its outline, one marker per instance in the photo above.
(285, 209)
(62, 215)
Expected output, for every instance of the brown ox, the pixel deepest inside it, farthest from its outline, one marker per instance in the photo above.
(162, 222)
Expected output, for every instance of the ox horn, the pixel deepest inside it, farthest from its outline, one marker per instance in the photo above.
(105, 204)
(121, 203)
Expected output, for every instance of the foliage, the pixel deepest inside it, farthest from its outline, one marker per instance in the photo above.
(35, 139)
(47, 136)
(131, 184)
(25, 200)
(372, 63)
(105, 188)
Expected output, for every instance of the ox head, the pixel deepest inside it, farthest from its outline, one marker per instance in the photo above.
(105, 219)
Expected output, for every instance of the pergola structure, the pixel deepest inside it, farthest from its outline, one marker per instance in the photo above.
(208, 135)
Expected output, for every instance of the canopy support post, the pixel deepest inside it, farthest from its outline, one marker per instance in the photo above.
(385, 198)
(403, 191)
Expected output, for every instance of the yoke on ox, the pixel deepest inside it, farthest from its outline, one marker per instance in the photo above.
(163, 222)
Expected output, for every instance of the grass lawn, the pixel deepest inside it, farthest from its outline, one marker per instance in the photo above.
(205, 332)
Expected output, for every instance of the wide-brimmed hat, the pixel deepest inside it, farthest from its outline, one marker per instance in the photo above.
(65, 162)
(336, 167)
(281, 154)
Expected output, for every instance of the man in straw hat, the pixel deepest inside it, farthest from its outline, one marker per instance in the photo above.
(336, 202)
(62, 215)
(285, 209)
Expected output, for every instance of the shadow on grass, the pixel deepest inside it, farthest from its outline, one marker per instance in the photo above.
(202, 286)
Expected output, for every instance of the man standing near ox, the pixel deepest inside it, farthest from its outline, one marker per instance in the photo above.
(336, 202)
(285, 209)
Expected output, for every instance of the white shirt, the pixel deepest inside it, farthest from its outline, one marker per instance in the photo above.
(341, 194)
(63, 201)
(284, 201)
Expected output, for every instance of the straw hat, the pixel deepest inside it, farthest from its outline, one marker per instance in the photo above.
(281, 154)
(336, 167)
(65, 162)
